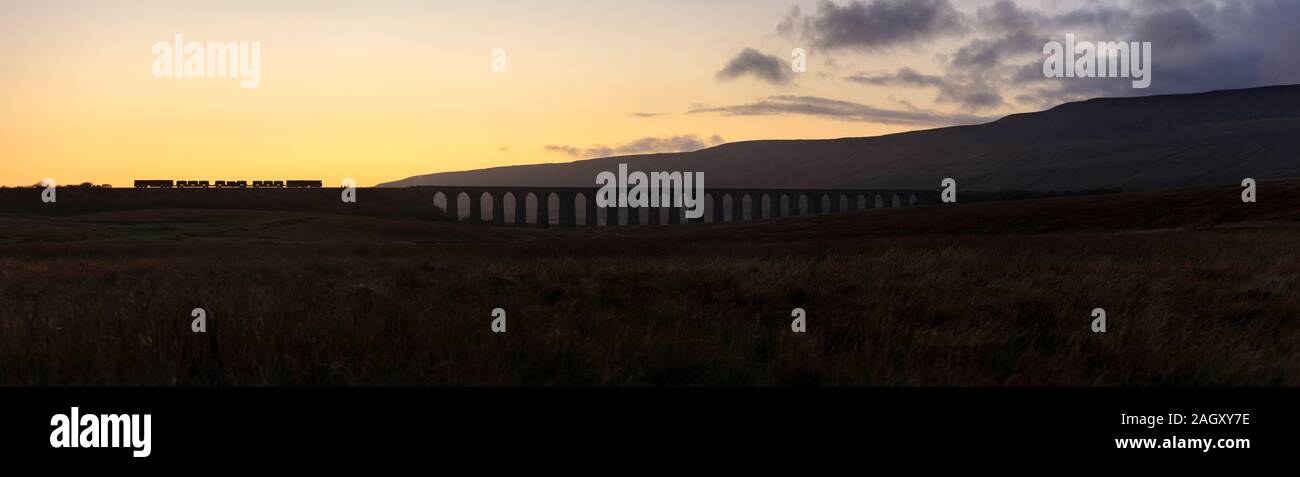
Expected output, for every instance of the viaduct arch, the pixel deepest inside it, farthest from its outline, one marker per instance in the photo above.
(576, 206)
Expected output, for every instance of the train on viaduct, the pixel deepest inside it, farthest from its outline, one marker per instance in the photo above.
(174, 184)
(576, 206)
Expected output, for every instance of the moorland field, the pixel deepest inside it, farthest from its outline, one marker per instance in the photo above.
(1199, 289)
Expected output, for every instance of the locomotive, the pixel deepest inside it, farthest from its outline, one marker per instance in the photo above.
(173, 184)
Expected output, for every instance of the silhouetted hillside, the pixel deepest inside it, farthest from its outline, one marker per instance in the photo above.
(1131, 143)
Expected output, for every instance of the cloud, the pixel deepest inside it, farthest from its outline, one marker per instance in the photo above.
(566, 150)
(1174, 30)
(969, 91)
(969, 79)
(1097, 17)
(1006, 16)
(1198, 45)
(790, 24)
(840, 110)
(751, 62)
(639, 114)
(645, 145)
(878, 24)
(905, 76)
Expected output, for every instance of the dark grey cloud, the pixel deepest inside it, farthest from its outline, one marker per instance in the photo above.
(1277, 60)
(789, 25)
(841, 110)
(971, 95)
(1102, 18)
(906, 76)
(978, 54)
(974, 99)
(1174, 30)
(1006, 16)
(878, 24)
(751, 62)
(645, 145)
(1198, 45)
(974, 72)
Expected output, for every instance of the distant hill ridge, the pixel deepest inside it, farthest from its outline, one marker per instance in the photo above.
(1132, 143)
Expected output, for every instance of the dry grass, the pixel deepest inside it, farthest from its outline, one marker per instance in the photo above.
(1185, 308)
(1199, 290)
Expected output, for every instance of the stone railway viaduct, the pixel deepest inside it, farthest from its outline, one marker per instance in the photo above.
(720, 205)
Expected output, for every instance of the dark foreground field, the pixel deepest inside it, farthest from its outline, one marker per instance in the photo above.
(1199, 289)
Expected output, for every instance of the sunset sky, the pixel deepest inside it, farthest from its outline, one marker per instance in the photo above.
(382, 90)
